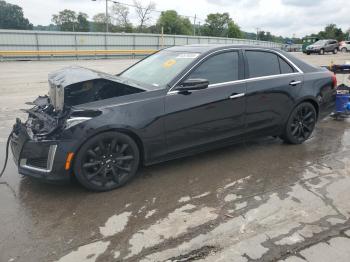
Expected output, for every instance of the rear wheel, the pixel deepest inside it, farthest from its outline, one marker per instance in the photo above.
(301, 124)
(344, 50)
(321, 52)
(308, 53)
(335, 51)
(107, 161)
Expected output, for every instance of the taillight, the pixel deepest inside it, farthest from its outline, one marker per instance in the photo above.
(334, 81)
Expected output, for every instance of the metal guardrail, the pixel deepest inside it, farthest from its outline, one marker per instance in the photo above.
(74, 53)
(41, 45)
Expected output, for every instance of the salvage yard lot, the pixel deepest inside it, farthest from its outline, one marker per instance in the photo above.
(258, 201)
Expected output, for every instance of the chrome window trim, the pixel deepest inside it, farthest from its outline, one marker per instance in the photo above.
(240, 81)
(49, 164)
(172, 92)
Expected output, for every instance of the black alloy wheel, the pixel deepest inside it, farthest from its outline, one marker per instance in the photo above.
(107, 161)
(301, 124)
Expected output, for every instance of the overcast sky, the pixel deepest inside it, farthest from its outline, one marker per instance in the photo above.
(280, 17)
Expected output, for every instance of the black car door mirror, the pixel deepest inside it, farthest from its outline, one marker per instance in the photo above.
(193, 84)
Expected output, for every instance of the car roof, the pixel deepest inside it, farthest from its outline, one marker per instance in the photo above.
(209, 48)
(204, 48)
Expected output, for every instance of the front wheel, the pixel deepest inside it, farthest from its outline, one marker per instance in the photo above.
(321, 52)
(107, 161)
(344, 50)
(301, 124)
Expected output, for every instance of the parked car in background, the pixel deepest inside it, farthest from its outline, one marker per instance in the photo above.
(179, 101)
(308, 41)
(323, 46)
(344, 46)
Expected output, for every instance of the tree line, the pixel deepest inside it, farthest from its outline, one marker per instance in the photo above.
(169, 21)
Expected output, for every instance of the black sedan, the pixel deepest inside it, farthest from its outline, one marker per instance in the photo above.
(179, 101)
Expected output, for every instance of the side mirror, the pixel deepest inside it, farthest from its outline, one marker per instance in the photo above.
(193, 84)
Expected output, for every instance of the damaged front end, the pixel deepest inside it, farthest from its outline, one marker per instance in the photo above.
(40, 145)
(43, 120)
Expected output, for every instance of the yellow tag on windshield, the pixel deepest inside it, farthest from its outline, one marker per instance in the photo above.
(169, 63)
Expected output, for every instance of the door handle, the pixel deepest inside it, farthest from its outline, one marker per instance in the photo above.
(294, 83)
(235, 95)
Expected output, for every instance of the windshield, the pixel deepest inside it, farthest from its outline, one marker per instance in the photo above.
(159, 69)
(320, 42)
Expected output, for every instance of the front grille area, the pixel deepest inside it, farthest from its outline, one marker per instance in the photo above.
(40, 162)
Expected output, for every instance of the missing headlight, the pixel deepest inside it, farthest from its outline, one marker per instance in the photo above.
(75, 121)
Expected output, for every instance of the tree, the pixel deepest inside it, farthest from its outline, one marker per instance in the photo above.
(174, 24)
(120, 17)
(11, 17)
(143, 13)
(66, 20)
(332, 32)
(347, 36)
(99, 22)
(50, 27)
(233, 30)
(265, 36)
(221, 25)
(83, 24)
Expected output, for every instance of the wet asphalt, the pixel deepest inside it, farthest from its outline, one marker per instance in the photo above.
(261, 200)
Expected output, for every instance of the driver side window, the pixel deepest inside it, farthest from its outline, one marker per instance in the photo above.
(218, 68)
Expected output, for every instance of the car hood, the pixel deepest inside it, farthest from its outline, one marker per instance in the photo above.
(75, 74)
(121, 101)
(71, 77)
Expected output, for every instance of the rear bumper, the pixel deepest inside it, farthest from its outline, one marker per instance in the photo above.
(40, 159)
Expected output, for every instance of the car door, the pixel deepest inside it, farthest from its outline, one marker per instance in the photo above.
(331, 45)
(327, 46)
(199, 117)
(273, 84)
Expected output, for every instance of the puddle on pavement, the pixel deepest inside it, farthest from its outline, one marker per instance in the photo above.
(225, 199)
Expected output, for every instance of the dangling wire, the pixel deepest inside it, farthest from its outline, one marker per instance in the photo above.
(6, 154)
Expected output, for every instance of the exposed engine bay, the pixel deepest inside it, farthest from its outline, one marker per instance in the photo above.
(69, 87)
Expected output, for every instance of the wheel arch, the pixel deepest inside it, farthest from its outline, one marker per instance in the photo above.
(310, 100)
(313, 102)
(125, 131)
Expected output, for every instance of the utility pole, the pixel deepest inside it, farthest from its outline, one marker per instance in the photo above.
(162, 37)
(107, 18)
(194, 25)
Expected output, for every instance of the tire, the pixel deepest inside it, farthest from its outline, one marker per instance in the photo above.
(344, 50)
(335, 51)
(301, 123)
(107, 161)
(321, 52)
(308, 53)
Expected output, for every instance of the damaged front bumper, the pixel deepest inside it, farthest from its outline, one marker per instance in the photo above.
(43, 159)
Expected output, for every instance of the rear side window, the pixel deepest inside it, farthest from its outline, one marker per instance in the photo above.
(285, 67)
(262, 63)
(218, 68)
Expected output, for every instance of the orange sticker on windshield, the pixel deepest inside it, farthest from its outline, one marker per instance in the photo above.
(169, 63)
